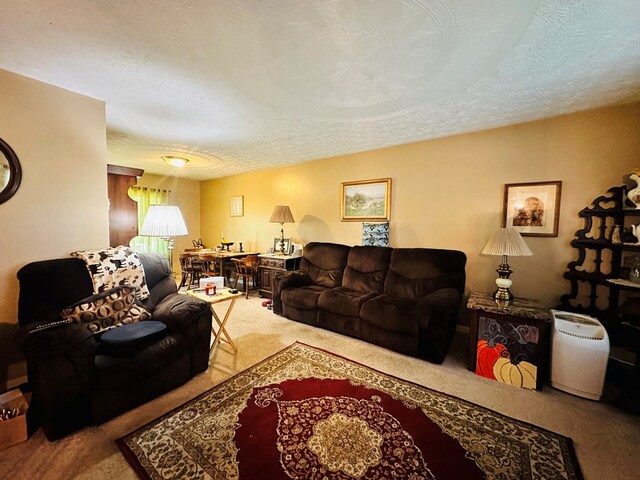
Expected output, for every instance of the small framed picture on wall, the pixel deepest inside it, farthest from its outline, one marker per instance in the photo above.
(533, 209)
(237, 206)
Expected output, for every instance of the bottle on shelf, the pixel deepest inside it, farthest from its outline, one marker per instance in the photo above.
(634, 271)
(615, 236)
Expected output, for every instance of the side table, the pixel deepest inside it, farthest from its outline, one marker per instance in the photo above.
(269, 265)
(224, 295)
(509, 344)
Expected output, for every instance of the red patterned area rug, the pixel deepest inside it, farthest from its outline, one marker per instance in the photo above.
(305, 413)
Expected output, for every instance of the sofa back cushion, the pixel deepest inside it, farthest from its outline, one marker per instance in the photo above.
(48, 286)
(159, 279)
(366, 269)
(416, 272)
(325, 263)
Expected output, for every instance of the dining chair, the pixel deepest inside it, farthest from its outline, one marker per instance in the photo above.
(191, 270)
(247, 269)
(210, 265)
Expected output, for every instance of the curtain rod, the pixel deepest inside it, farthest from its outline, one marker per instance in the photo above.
(136, 187)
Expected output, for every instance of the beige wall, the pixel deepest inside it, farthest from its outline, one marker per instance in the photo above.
(446, 193)
(186, 195)
(61, 205)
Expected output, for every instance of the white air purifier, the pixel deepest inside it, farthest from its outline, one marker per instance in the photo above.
(579, 354)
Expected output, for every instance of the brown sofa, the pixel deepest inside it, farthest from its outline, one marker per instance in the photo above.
(404, 299)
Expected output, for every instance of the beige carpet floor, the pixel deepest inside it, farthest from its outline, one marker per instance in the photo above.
(606, 439)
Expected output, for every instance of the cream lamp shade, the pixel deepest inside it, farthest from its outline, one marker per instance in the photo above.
(281, 214)
(505, 242)
(164, 221)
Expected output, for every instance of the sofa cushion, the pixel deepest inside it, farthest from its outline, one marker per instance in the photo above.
(107, 310)
(131, 337)
(339, 323)
(415, 272)
(343, 301)
(324, 263)
(366, 269)
(304, 298)
(391, 314)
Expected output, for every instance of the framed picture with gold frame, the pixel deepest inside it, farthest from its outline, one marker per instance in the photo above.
(237, 206)
(533, 209)
(366, 200)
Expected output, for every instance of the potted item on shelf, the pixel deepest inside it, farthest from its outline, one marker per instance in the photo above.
(615, 235)
(634, 194)
(634, 271)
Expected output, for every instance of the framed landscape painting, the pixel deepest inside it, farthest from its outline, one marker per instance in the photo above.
(533, 209)
(366, 200)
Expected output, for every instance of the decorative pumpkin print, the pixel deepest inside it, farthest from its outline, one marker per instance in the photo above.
(487, 354)
(522, 374)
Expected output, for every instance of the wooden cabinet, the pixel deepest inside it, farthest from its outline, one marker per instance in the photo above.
(269, 265)
(123, 212)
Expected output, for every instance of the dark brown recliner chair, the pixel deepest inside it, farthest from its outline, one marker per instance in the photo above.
(404, 299)
(76, 379)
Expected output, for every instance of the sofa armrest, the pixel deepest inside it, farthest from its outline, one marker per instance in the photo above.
(55, 341)
(60, 364)
(180, 312)
(438, 314)
(442, 300)
(283, 280)
(189, 317)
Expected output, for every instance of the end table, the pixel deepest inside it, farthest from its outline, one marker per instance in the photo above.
(509, 343)
(224, 295)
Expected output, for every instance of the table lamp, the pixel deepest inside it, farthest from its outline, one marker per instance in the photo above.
(505, 242)
(164, 221)
(281, 214)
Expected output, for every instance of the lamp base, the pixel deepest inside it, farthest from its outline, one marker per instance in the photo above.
(503, 295)
(170, 248)
(281, 242)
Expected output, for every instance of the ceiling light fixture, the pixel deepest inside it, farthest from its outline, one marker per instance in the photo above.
(175, 161)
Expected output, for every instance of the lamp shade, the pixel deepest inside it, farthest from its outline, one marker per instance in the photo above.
(507, 241)
(282, 214)
(163, 221)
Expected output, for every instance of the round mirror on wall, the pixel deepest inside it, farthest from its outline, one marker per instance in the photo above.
(10, 172)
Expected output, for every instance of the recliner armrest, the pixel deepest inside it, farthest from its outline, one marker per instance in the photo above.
(60, 363)
(55, 341)
(181, 312)
(440, 300)
(437, 315)
(284, 280)
(291, 279)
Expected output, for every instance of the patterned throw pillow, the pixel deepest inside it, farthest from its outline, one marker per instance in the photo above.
(107, 310)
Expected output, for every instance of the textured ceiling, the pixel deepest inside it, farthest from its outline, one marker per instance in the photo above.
(240, 85)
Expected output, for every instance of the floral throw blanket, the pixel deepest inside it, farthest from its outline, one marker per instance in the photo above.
(113, 267)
